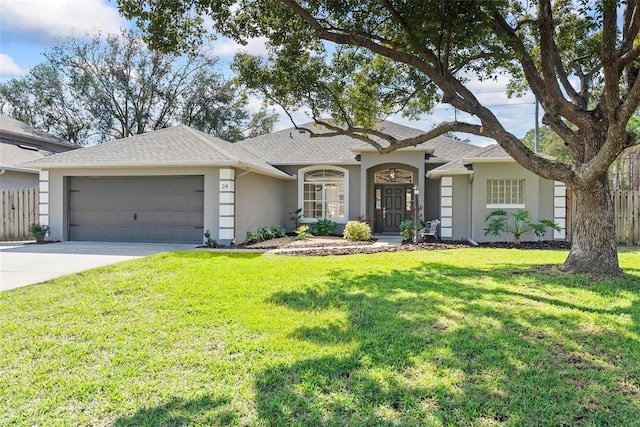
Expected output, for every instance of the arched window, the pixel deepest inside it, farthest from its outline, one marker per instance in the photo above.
(393, 176)
(324, 194)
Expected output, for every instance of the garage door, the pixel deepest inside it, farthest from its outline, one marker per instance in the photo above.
(136, 209)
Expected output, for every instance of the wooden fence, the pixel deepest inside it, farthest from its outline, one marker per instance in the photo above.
(626, 204)
(19, 209)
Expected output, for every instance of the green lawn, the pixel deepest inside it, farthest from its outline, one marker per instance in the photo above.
(462, 337)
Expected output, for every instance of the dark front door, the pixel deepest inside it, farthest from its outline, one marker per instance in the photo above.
(392, 206)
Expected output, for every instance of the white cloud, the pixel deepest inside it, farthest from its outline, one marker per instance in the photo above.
(255, 103)
(227, 47)
(8, 67)
(46, 19)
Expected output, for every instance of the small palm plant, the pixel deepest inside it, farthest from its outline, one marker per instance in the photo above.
(498, 223)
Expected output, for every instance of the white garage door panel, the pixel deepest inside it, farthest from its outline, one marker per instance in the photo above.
(142, 209)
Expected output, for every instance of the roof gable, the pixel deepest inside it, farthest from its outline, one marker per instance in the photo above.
(175, 146)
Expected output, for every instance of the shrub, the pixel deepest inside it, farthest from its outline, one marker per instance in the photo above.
(357, 230)
(323, 227)
(272, 232)
(209, 242)
(265, 233)
(406, 229)
(38, 232)
(303, 232)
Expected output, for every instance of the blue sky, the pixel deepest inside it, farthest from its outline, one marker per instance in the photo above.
(29, 27)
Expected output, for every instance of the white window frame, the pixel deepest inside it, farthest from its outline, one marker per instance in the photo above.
(303, 171)
(507, 205)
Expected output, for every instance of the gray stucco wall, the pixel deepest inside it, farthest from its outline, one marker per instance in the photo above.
(545, 200)
(14, 179)
(461, 212)
(431, 194)
(260, 202)
(538, 196)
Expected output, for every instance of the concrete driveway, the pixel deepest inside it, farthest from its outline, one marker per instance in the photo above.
(24, 264)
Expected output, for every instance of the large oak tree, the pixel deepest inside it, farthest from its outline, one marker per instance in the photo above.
(360, 60)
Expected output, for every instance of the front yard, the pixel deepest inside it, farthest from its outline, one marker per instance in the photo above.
(453, 337)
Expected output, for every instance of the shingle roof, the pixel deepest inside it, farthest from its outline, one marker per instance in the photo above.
(13, 154)
(179, 146)
(12, 128)
(184, 146)
(291, 146)
(457, 166)
(493, 151)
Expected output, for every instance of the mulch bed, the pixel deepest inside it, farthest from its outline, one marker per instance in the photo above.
(408, 247)
(373, 250)
(332, 245)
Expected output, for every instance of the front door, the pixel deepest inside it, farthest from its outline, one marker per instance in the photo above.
(392, 206)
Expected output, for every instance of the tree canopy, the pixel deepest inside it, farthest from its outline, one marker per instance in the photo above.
(94, 90)
(357, 61)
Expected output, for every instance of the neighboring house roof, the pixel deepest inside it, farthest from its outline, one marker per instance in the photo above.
(294, 147)
(175, 146)
(11, 128)
(12, 155)
(20, 143)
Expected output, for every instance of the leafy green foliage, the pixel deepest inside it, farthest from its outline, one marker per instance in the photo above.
(265, 233)
(208, 241)
(38, 231)
(444, 338)
(357, 230)
(302, 232)
(323, 227)
(540, 228)
(550, 143)
(296, 217)
(498, 223)
(407, 229)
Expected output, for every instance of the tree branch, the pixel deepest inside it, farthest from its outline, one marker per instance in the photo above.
(630, 26)
(611, 72)
(366, 134)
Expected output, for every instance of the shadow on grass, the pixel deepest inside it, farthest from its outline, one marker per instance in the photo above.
(434, 346)
(178, 412)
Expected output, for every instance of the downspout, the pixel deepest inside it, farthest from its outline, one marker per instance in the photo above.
(470, 215)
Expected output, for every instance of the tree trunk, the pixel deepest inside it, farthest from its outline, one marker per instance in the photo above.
(594, 245)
